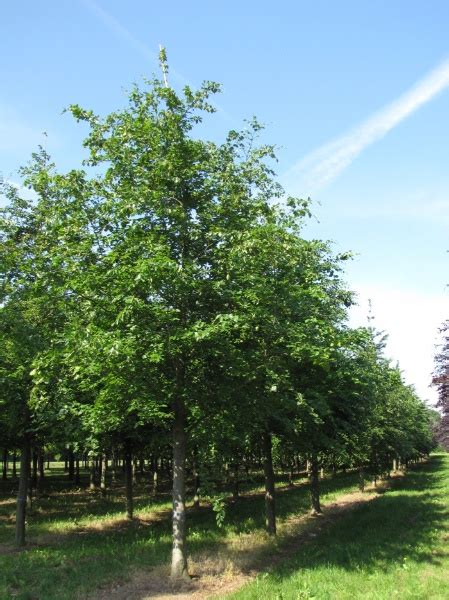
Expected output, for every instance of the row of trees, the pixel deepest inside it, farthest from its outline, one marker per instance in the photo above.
(163, 296)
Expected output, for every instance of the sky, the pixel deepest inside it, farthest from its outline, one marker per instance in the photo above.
(355, 95)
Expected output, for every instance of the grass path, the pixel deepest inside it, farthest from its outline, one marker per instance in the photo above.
(394, 547)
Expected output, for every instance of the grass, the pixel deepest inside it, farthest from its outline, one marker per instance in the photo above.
(78, 541)
(393, 547)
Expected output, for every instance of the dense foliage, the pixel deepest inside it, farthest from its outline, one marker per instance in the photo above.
(160, 304)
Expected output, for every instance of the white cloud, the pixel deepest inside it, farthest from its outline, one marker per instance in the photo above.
(323, 165)
(411, 319)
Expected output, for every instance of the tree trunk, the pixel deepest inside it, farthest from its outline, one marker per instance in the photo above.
(92, 482)
(291, 475)
(314, 486)
(129, 479)
(114, 466)
(155, 477)
(71, 466)
(40, 472)
(196, 483)
(134, 471)
(103, 464)
(14, 465)
(179, 554)
(34, 473)
(361, 478)
(77, 471)
(22, 495)
(5, 464)
(235, 481)
(270, 507)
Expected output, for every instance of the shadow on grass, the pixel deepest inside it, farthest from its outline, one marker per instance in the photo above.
(373, 536)
(63, 565)
(76, 562)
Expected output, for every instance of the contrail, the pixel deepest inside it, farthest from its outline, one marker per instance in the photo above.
(121, 32)
(323, 165)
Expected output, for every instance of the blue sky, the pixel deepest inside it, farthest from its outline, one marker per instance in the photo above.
(322, 76)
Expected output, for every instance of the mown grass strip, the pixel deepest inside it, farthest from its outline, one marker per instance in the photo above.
(396, 546)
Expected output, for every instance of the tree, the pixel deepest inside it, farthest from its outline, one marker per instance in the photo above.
(441, 382)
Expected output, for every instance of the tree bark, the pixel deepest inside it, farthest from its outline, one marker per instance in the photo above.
(270, 506)
(71, 466)
(179, 554)
(103, 464)
(34, 476)
(22, 495)
(155, 477)
(5, 464)
(361, 478)
(129, 480)
(314, 486)
(40, 472)
(77, 471)
(92, 482)
(14, 465)
(235, 481)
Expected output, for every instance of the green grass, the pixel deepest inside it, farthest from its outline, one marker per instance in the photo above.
(79, 541)
(396, 546)
(391, 547)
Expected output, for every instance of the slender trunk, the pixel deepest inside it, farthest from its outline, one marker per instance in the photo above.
(5, 464)
(34, 476)
(179, 554)
(14, 465)
(196, 483)
(40, 472)
(114, 467)
(92, 483)
(30, 483)
(291, 475)
(134, 471)
(77, 471)
(361, 478)
(155, 478)
(129, 479)
(270, 507)
(71, 466)
(22, 495)
(103, 464)
(314, 486)
(235, 481)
